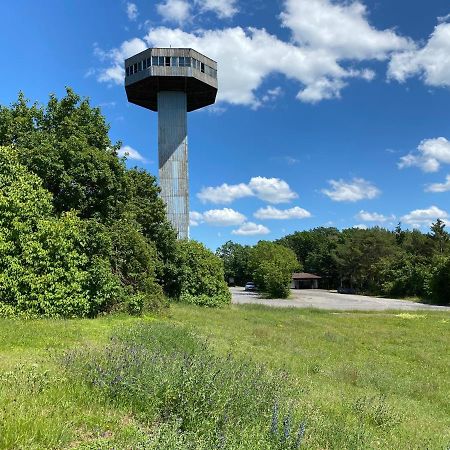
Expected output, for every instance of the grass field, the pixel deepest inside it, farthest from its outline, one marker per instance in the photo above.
(356, 380)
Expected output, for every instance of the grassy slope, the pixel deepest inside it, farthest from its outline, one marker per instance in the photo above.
(364, 380)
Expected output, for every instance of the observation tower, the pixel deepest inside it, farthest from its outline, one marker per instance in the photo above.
(173, 82)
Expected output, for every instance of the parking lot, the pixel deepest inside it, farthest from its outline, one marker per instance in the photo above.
(315, 298)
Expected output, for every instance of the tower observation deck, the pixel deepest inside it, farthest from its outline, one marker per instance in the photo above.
(172, 81)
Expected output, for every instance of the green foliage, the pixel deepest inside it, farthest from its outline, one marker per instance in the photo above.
(401, 276)
(44, 268)
(273, 265)
(438, 283)
(440, 236)
(199, 277)
(165, 375)
(236, 262)
(67, 169)
(135, 262)
(66, 144)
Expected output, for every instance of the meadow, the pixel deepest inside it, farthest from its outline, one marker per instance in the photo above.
(232, 378)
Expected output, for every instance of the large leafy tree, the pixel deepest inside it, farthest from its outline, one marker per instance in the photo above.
(45, 268)
(236, 261)
(272, 265)
(66, 144)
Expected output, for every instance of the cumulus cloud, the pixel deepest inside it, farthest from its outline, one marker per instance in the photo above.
(130, 153)
(269, 212)
(351, 191)
(178, 11)
(223, 217)
(323, 42)
(360, 226)
(115, 73)
(195, 218)
(132, 11)
(431, 62)
(439, 187)
(223, 8)
(225, 193)
(421, 217)
(272, 190)
(372, 217)
(251, 229)
(333, 26)
(430, 155)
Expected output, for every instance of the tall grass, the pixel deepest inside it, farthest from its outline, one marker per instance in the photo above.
(186, 396)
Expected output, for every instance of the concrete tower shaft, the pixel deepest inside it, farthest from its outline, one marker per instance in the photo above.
(172, 81)
(173, 158)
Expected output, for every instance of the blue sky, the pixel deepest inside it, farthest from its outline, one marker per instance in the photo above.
(329, 113)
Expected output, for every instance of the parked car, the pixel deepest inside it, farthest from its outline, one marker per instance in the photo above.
(343, 290)
(250, 286)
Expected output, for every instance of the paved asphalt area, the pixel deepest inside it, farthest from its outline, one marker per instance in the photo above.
(316, 298)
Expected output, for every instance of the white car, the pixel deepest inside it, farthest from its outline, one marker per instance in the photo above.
(250, 286)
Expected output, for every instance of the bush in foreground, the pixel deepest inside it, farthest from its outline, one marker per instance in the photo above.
(187, 396)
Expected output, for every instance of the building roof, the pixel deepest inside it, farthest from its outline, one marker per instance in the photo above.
(305, 276)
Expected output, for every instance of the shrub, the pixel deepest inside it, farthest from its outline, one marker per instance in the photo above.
(167, 376)
(438, 283)
(273, 265)
(44, 266)
(199, 276)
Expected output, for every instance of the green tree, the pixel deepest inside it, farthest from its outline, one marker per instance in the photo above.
(439, 236)
(66, 144)
(200, 276)
(438, 283)
(44, 267)
(273, 265)
(236, 261)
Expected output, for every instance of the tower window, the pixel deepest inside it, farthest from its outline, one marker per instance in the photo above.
(167, 61)
(174, 61)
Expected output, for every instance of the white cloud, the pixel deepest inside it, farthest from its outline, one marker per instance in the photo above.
(372, 217)
(420, 217)
(439, 187)
(269, 212)
(360, 226)
(177, 11)
(130, 153)
(132, 11)
(251, 229)
(223, 8)
(195, 218)
(116, 73)
(341, 28)
(223, 217)
(225, 193)
(431, 154)
(272, 190)
(431, 62)
(351, 191)
(317, 55)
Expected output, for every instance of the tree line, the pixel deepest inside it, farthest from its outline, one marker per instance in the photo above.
(399, 263)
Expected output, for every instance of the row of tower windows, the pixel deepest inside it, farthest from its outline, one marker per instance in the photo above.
(171, 61)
